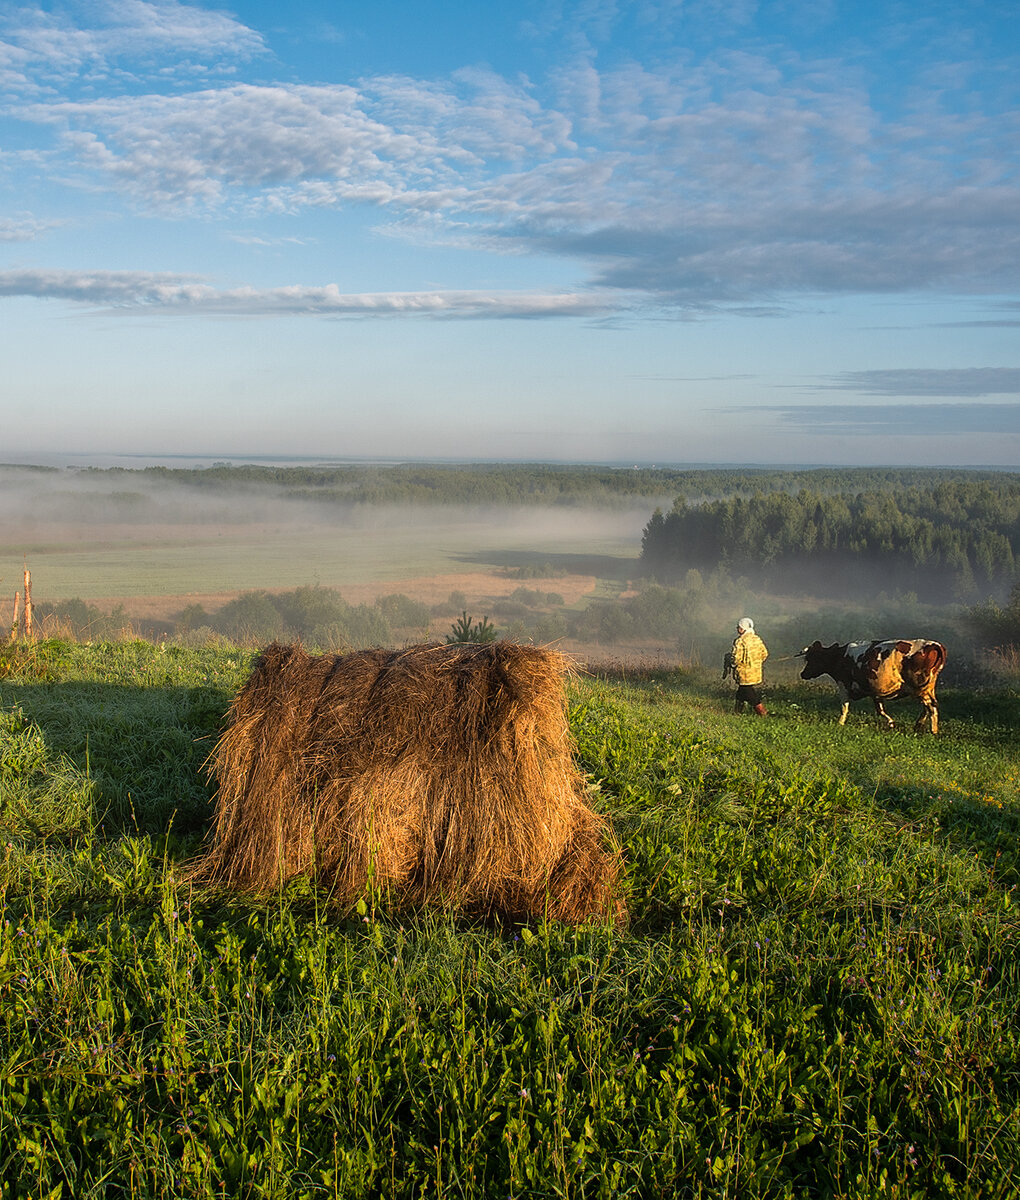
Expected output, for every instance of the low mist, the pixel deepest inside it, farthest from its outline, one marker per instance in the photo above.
(35, 500)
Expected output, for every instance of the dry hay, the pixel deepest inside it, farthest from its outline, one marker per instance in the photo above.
(444, 774)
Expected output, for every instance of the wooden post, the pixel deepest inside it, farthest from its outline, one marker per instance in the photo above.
(17, 617)
(28, 602)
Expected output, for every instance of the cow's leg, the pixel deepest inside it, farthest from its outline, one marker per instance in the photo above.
(844, 712)
(883, 714)
(929, 715)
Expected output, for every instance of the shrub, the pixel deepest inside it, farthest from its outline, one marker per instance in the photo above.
(200, 636)
(510, 610)
(307, 609)
(319, 617)
(603, 621)
(994, 625)
(544, 570)
(464, 630)
(251, 617)
(549, 628)
(190, 618)
(403, 612)
(534, 598)
(360, 627)
(82, 621)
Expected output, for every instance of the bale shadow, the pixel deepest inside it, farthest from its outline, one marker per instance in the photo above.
(142, 748)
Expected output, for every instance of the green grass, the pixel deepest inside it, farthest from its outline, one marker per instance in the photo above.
(818, 992)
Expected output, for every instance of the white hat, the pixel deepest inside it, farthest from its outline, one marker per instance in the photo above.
(744, 624)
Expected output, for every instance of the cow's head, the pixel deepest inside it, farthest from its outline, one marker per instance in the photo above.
(818, 659)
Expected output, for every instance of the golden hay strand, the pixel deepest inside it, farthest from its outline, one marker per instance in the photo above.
(445, 773)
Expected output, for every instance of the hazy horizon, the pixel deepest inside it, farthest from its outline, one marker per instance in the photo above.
(184, 461)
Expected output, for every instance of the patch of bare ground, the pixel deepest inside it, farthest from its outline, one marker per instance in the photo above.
(480, 588)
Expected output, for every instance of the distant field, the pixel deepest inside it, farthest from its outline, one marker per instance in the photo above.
(424, 552)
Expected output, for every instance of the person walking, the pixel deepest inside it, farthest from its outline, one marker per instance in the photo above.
(744, 662)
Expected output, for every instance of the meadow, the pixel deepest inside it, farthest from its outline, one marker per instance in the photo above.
(817, 992)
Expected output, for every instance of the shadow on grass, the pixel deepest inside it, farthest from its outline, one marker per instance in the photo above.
(142, 749)
(532, 563)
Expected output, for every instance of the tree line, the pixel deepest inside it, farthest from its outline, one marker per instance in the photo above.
(515, 484)
(955, 539)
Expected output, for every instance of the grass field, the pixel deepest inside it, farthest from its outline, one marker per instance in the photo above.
(817, 993)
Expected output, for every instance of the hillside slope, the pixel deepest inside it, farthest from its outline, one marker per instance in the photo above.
(818, 992)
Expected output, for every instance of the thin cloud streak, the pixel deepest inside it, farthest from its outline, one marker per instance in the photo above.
(916, 420)
(139, 292)
(965, 381)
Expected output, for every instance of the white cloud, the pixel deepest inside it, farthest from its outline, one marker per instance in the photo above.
(324, 144)
(100, 287)
(739, 178)
(177, 150)
(24, 227)
(42, 46)
(253, 239)
(142, 291)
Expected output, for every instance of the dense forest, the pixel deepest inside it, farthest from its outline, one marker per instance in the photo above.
(955, 538)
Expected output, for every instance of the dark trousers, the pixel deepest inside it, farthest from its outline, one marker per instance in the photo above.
(747, 693)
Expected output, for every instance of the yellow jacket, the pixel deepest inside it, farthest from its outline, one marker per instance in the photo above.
(749, 653)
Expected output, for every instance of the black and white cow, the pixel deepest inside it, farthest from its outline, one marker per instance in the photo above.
(881, 671)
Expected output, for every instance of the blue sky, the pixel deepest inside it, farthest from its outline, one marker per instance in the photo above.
(659, 231)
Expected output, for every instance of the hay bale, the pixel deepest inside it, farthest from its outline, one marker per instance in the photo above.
(443, 773)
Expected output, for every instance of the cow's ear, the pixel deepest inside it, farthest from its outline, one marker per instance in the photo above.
(815, 645)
